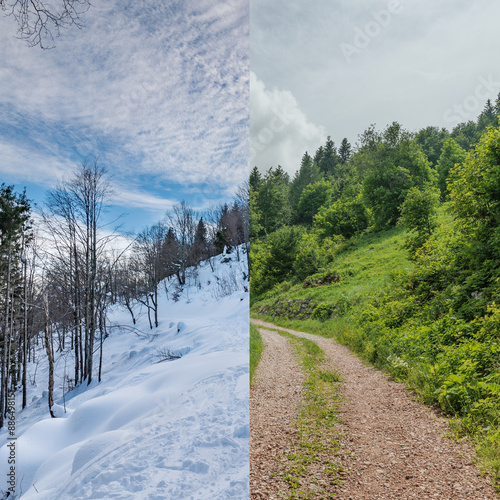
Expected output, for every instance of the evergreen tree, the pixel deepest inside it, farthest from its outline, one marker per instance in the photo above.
(330, 158)
(488, 117)
(255, 179)
(273, 200)
(200, 242)
(170, 253)
(14, 227)
(318, 156)
(345, 151)
(307, 174)
(255, 215)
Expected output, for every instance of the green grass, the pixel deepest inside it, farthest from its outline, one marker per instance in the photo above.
(256, 348)
(365, 265)
(317, 439)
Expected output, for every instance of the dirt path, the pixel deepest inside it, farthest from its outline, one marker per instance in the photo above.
(393, 445)
(272, 412)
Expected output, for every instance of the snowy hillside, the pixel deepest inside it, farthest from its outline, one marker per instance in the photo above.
(153, 428)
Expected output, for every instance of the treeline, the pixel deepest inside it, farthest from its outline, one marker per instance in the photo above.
(59, 279)
(338, 193)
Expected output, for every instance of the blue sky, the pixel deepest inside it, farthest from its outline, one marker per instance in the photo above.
(157, 90)
(333, 67)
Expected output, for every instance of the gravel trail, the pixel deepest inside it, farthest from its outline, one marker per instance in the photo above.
(274, 401)
(393, 446)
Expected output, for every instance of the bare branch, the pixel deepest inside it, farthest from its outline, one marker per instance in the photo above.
(39, 22)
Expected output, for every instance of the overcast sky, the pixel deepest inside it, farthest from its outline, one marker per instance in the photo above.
(333, 67)
(158, 90)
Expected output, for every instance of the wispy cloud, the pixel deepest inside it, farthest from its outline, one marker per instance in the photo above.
(153, 88)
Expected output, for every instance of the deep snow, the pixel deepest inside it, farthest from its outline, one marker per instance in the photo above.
(151, 429)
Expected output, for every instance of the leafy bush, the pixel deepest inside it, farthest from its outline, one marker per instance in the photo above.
(418, 214)
(344, 217)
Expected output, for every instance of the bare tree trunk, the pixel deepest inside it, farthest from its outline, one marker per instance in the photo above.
(154, 300)
(10, 371)
(149, 314)
(50, 357)
(102, 329)
(25, 332)
(127, 304)
(3, 381)
(93, 283)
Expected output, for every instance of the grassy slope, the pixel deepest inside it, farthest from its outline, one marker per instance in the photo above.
(365, 267)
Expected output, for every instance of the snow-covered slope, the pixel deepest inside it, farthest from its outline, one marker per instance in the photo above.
(151, 429)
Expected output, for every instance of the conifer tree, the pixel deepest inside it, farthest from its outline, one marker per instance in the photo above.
(307, 174)
(345, 151)
(318, 156)
(200, 241)
(14, 227)
(273, 200)
(255, 179)
(329, 159)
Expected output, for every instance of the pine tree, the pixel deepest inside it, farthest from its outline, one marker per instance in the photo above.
(345, 151)
(273, 200)
(200, 241)
(307, 174)
(329, 159)
(255, 179)
(488, 117)
(14, 226)
(318, 156)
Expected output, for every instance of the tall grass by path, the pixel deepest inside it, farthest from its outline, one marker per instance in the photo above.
(256, 348)
(311, 469)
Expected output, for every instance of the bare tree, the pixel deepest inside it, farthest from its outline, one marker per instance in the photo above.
(149, 247)
(39, 22)
(74, 221)
(50, 353)
(182, 219)
(243, 200)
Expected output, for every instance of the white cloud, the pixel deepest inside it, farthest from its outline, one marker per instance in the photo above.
(280, 132)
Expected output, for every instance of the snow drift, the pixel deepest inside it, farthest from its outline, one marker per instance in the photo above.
(170, 418)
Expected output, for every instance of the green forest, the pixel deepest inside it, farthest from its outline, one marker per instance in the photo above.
(392, 247)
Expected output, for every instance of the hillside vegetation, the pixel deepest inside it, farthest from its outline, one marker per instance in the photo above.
(394, 250)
